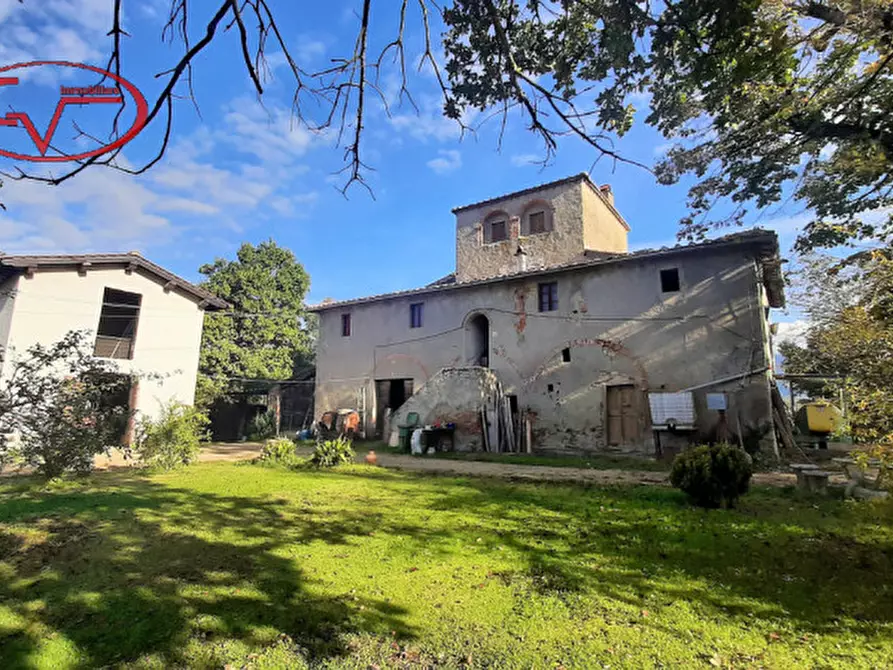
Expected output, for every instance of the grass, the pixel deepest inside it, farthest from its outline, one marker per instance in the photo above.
(246, 565)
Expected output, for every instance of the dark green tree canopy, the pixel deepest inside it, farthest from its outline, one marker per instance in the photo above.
(764, 98)
(266, 333)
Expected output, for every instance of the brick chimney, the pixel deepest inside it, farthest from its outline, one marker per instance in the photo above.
(608, 193)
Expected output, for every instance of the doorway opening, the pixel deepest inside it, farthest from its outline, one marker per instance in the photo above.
(390, 394)
(478, 340)
(625, 405)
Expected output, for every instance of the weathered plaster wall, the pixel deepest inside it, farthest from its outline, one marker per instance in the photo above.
(602, 229)
(168, 336)
(618, 326)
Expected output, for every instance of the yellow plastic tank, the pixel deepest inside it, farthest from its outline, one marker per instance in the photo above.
(822, 416)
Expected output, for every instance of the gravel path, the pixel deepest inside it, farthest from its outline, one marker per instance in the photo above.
(248, 450)
(226, 452)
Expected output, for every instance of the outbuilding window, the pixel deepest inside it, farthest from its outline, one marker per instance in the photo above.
(118, 319)
(415, 314)
(669, 280)
(345, 325)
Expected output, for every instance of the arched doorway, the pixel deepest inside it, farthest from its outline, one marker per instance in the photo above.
(477, 340)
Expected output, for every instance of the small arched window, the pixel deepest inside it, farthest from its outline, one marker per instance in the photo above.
(496, 227)
(537, 218)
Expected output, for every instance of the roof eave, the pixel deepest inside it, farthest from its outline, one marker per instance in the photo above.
(207, 300)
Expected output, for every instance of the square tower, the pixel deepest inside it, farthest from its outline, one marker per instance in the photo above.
(544, 226)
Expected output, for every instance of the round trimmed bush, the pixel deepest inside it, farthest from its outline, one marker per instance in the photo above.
(713, 476)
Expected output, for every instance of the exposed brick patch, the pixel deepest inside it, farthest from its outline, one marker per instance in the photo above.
(521, 309)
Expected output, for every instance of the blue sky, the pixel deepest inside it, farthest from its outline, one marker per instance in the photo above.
(241, 171)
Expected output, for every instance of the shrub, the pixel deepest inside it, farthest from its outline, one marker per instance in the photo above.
(712, 476)
(262, 426)
(279, 450)
(883, 453)
(62, 406)
(332, 452)
(173, 439)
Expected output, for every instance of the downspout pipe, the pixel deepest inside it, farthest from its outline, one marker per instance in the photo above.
(717, 382)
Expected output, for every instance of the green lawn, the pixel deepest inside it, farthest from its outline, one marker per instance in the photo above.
(245, 565)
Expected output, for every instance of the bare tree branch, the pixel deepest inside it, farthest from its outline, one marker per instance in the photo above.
(340, 91)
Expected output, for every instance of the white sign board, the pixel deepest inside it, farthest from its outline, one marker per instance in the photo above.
(676, 407)
(717, 401)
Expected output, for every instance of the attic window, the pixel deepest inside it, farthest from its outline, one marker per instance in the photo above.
(566, 355)
(669, 280)
(537, 219)
(345, 325)
(537, 222)
(495, 230)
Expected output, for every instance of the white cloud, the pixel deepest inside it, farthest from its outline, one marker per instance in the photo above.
(448, 161)
(270, 135)
(186, 205)
(523, 160)
(792, 331)
(295, 205)
(98, 210)
(190, 193)
(430, 123)
(72, 30)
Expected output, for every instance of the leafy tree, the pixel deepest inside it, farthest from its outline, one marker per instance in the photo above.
(62, 405)
(762, 97)
(266, 333)
(853, 337)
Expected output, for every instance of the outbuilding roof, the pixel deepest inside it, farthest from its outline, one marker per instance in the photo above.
(766, 241)
(130, 260)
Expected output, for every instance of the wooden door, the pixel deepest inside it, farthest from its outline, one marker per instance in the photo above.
(625, 404)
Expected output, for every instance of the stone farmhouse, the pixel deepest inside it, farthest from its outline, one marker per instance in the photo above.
(592, 347)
